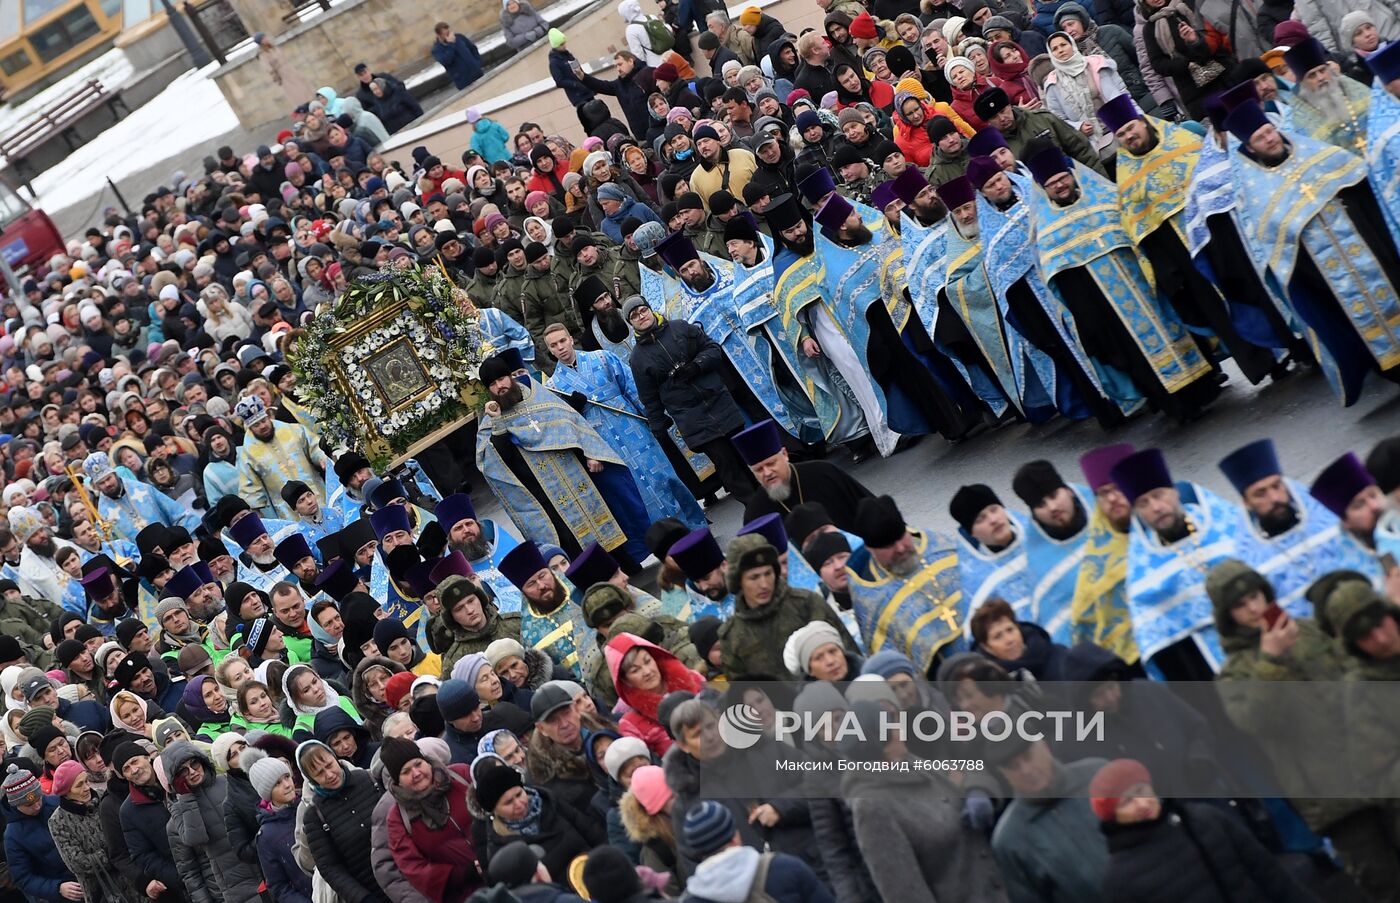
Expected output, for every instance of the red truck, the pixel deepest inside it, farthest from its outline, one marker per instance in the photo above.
(28, 238)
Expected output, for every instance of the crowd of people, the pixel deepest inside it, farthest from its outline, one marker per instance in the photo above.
(238, 663)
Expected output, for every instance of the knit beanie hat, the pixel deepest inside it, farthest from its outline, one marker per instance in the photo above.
(650, 789)
(219, 750)
(397, 687)
(622, 751)
(64, 776)
(502, 649)
(469, 667)
(168, 605)
(707, 829)
(265, 774)
(556, 38)
(609, 876)
(887, 663)
(41, 738)
(21, 785)
(457, 699)
(38, 717)
(805, 640)
(494, 783)
(162, 729)
(395, 753)
(1113, 780)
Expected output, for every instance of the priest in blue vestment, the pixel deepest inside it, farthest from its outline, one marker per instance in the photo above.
(1172, 545)
(483, 543)
(1313, 222)
(600, 386)
(991, 550)
(559, 481)
(1289, 536)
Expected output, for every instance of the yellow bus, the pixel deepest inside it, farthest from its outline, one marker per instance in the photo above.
(40, 38)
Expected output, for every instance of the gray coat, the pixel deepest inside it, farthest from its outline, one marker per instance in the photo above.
(1324, 18)
(910, 830)
(1052, 850)
(198, 837)
(524, 28)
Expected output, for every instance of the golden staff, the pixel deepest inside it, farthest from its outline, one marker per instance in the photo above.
(607, 407)
(97, 520)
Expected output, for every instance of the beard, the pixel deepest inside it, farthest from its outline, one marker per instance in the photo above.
(970, 232)
(610, 321)
(1330, 100)
(118, 492)
(905, 565)
(703, 281)
(264, 561)
(778, 493)
(511, 397)
(1175, 531)
(930, 215)
(204, 612)
(1279, 519)
(472, 549)
(1071, 200)
(856, 236)
(46, 549)
(804, 246)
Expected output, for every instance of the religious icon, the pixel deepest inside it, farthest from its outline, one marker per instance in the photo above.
(397, 373)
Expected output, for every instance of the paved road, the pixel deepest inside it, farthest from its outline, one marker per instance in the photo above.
(1300, 413)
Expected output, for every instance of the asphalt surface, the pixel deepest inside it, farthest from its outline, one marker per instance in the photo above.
(1301, 414)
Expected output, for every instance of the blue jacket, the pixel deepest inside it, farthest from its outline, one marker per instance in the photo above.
(612, 225)
(1044, 19)
(563, 75)
(285, 880)
(491, 140)
(35, 866)
(461, 59)
(86, 714)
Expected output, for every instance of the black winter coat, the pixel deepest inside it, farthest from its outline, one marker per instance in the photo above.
(631, 92)
(1194, 853)
(241, 816)
(109, 813)
(563, 831)
(702, 408)
(143, 824)
(338, 833)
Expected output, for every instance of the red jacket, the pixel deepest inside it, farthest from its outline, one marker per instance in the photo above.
(441, 864)
(640, 721)
(963, 100)
(915, 142)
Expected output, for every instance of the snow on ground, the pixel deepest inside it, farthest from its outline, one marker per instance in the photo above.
(112, 68)
(189, 112)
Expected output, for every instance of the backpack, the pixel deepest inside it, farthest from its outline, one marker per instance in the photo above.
(760, 878)
(658, 34)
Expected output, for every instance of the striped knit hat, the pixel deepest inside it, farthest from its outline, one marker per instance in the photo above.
(20, 786)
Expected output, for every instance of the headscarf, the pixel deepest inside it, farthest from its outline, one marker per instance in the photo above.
(9, 679)
(308, 746)
(332, 697)
(121, 696)
(193, 697)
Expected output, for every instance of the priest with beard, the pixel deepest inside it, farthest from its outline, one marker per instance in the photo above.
(1099, 608)
(110, 593)
(1042, 341)
(1178, 533)
(272, 454)
(1155, 163)
(1289, 536)
(831, 357)
(1055, 537)
(554, 475)
(864, 277)
(1349, 491)
(707, 299)
(921, 201)
(39, 575)
(599, 386)
(1327, 106)
(603, 324)
(351, 471)
(259, 566)
(1089, 263)
(129, 504)
(389, 572)
(1313, 225)
(785, 484)
(482, 543)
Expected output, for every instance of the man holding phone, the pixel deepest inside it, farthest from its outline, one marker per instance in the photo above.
(1264, 643)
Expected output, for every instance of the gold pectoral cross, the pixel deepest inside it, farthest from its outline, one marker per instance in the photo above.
(948, 617)
(1307, 191)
